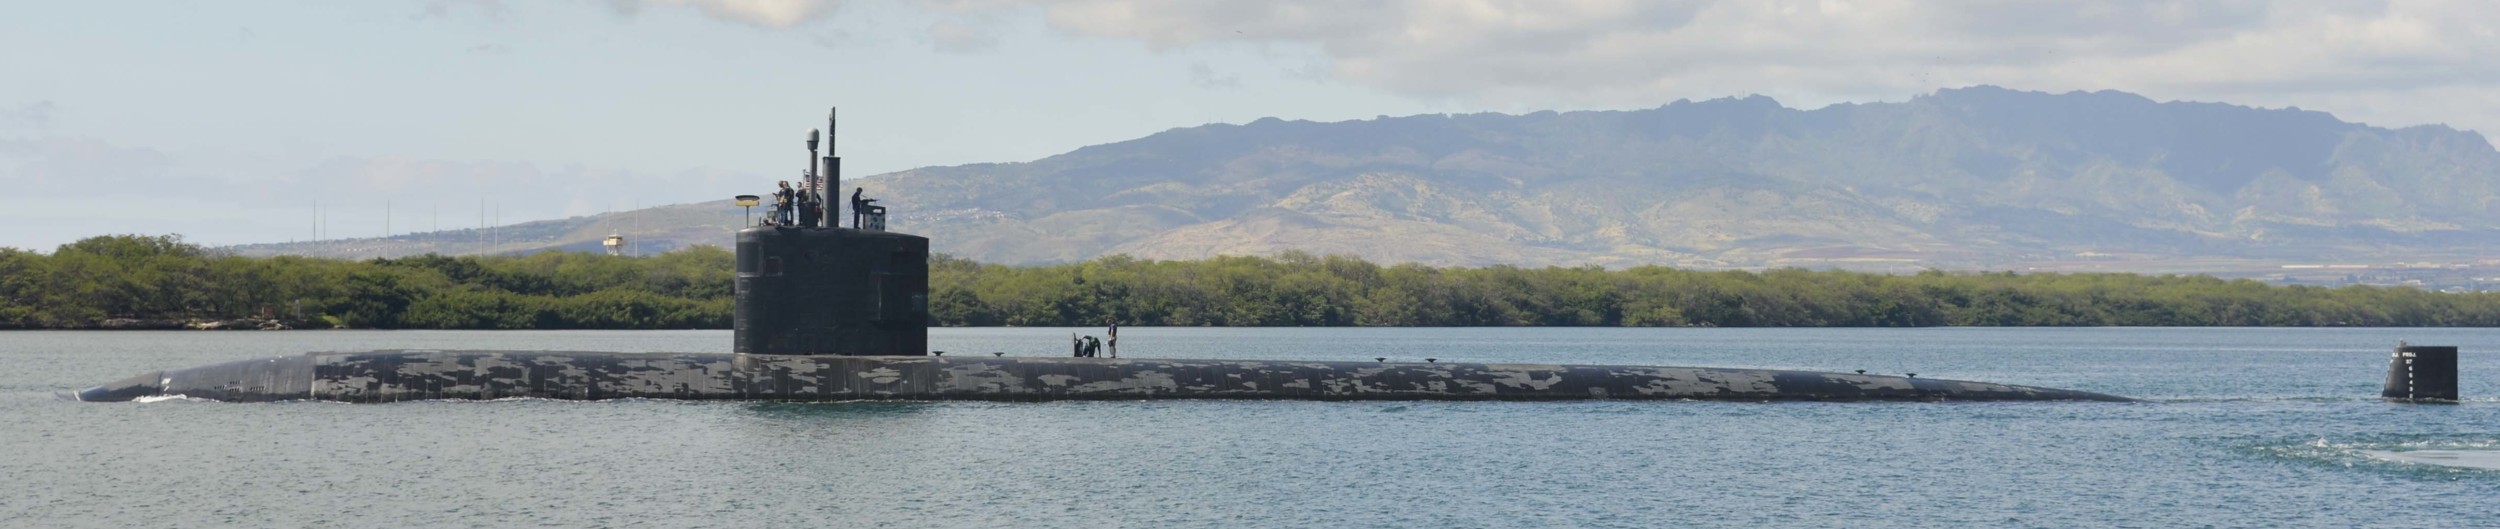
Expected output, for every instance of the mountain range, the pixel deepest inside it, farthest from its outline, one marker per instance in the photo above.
(1962, 178)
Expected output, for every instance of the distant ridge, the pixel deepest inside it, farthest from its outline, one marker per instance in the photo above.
(649, 230)
(1963, 178)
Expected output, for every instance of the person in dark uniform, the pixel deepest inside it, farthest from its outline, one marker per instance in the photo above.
(783, 200)
(859, 205)
(808, 208)
(1115, 337)
(1076, 346)
(1093, 347)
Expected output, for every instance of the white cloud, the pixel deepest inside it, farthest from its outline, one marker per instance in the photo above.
(774, 14)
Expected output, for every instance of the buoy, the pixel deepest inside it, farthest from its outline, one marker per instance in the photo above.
(2421, 373)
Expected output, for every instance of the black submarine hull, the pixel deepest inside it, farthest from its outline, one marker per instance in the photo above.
(393, 376)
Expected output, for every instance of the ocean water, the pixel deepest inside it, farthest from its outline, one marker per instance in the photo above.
(2241, 428)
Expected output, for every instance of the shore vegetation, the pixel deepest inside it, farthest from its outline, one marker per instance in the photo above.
(97, 281)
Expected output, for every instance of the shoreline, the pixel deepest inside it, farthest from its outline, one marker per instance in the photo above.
(283, 325)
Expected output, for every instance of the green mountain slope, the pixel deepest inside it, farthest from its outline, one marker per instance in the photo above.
(1967, 177)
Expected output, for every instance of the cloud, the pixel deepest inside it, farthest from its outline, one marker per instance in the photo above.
(492, 9)
(834, 39)
(490, 49)
(83, 168)
(770, 14)
(1204, 76)
(957, 35)
(1614, 52)
(31, 116)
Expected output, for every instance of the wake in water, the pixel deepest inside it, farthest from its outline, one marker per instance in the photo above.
(2442, 457)
(2295, 398)
(2192, 400)
(2476, 459)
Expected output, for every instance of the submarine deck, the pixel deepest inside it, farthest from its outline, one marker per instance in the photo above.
(405, 375)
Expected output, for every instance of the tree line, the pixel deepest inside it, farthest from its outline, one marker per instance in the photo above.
(84, 283)
(1296, 289)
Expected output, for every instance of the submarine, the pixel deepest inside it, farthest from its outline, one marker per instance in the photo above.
(826, 312)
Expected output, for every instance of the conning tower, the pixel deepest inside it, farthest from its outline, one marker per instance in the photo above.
(824, 289)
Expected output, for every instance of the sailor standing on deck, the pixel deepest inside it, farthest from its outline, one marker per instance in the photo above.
(859, 205)
(809, 211)
(782, 201)
(1115, 338)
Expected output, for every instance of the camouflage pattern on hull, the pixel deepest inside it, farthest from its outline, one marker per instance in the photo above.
(390, 376)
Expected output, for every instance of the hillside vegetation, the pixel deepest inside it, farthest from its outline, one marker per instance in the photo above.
(1961, 179)
(83, 284)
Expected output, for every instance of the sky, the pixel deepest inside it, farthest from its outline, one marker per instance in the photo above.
(257, 121)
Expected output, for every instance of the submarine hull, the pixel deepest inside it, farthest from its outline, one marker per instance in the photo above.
(392, 376)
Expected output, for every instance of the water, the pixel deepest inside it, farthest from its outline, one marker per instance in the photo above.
(2247, 428)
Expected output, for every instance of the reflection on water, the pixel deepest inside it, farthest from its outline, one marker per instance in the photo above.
(833, 410)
